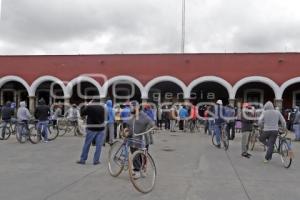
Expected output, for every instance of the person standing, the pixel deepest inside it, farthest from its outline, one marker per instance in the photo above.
(159, 117)
(42, 114)
(247, 124)
(183, 115)
(110, 121)
(296, 124)
(219, 121)
(165, 116)
(173, 118)
(230, 122)
(95, 113)
(23, 114)
(6, 114)
(269, 120)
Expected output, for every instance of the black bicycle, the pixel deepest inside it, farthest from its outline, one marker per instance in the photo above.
(283, 146)
(224, 138)
(68, 126)
(22, 131)
(7, 128)
(121, 158)
(36, 131)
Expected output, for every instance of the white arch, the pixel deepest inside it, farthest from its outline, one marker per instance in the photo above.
(215, 79)
(286, 84)
(7, 79)
(79, 79)
(169, 79)
(122, 78)
(260, 79)
(43, 79)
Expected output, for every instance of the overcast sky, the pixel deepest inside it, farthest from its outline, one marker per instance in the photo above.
(148, 26)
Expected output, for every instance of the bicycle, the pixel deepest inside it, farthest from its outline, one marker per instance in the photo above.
(22, 132)
(7, 128)
(193, 125)
(283, 146)
(253, 137)
(35, 135)
(66, 125)
(224, 138)
(121, 158)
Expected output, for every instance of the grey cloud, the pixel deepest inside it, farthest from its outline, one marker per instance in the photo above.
(147, 26)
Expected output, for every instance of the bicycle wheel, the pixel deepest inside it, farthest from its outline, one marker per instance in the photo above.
(214, 139)
(116, 158)
(62, 127)
(252, 140)
(52, 132)
(34, 136)
(192, 127)
(145, 182)
(284, 154)
(21, 134)
(4, 132)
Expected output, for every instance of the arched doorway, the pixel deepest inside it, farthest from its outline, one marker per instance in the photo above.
(15, 92)
(165, 92)
(256, 93)
(123, 91)
(50, 91)
(83, 91)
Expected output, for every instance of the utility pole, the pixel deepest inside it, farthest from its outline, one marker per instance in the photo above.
(183, 27)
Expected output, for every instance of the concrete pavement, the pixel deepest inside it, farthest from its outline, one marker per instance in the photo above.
(189, 168)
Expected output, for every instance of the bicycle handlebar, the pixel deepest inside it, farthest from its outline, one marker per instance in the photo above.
(143, 133)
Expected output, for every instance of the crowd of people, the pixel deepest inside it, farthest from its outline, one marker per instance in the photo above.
(103, 121)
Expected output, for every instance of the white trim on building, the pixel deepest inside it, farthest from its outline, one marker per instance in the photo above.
(204, 79)
(7, 79)
(260, 79)
(172, 79)
(43, 79)
(80, 79)
(122, 79)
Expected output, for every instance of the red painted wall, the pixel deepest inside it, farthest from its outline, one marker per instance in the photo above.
(187, 67)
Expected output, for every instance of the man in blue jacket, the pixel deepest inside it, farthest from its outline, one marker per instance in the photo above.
(110, 120)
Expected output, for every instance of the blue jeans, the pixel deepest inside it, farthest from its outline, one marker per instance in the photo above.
(210, 126)
(42, 126)
(297, 131)
(217, 130)
(90, 136)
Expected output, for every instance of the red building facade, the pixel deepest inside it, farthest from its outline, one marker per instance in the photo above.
(232, 77)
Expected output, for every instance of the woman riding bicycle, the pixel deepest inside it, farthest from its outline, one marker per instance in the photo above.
(269, 120)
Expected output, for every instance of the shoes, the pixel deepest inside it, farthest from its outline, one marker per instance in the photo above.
(136, 175)
(96, 163)
(246, 155)
(45, 141)
(266, 161)
(80, 162)
(219, 146)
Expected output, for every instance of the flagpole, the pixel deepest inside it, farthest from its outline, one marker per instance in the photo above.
(183, 27)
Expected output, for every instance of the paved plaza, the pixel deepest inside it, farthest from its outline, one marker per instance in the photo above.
(189, 168)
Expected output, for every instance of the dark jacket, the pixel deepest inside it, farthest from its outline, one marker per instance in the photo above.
(247, 123)
(42, 111)
(95, 117)
(7, 112)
